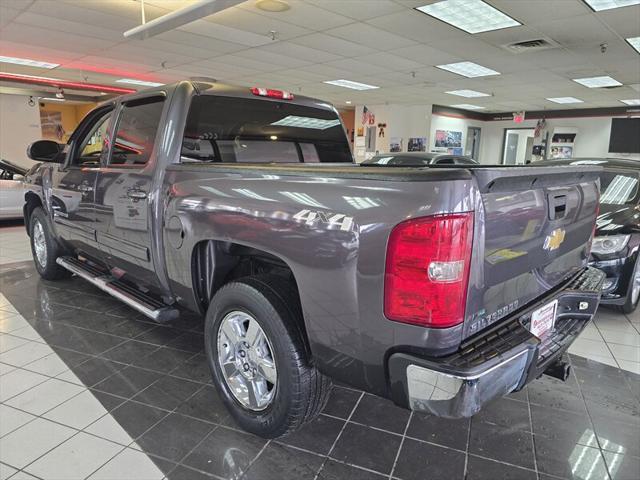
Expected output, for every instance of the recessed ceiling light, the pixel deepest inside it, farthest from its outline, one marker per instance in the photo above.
(598, 82)
(272, 5)
(348, 102)
(306, 122)
(468, 93)
(28, 62)
(599, 5)
(350, 84)
(565, 100)
(468, 69)
(635, 43)
(467, 106)
(472, 16)
(134, 81)
(632, 101)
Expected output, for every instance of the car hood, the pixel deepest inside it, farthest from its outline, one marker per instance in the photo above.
(12, 167)
(617, 219)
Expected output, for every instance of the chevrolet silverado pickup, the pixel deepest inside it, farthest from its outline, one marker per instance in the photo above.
(440, 288)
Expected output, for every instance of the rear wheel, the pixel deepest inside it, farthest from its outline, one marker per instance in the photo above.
(258, 356)
(44, 247)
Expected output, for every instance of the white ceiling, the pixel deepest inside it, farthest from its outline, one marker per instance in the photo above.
(380, 42)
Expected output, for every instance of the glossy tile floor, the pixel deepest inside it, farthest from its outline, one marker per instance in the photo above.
(89, 389)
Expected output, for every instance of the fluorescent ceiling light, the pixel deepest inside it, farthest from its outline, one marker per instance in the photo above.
(635, 43)
(468, 106)
(178, 18)
(565, 100)
(472, 16)
(632, 101)
(599, 5)
(598, 82)
(28, 62)
(468, 93)
(144, 83)
(468, 69)
(350, 84)
(306, 122)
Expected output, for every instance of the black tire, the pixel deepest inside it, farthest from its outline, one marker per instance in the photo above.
(629, 305)
(48, 270)
(301, 391)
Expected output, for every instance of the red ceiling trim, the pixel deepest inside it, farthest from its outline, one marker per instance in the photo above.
(13, 77)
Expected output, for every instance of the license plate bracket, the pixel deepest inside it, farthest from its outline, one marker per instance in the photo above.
(543, 319)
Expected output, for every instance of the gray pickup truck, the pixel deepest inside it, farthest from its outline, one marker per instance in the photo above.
(440, 288)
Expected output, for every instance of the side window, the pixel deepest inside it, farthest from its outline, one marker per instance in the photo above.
(94, 144)
(445, 161)
(136, 132)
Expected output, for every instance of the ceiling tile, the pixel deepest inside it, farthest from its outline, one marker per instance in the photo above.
(357, 9)
(390, 61)
(278, 59)
(225, 33)
(369, 35)
(247, 21)
(300, 51)
(334, 45)
(303, 14)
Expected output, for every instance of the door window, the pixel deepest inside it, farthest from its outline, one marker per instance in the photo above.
(95, 143)
(136, 132)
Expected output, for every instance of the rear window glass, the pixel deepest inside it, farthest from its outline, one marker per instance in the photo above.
(240, 130)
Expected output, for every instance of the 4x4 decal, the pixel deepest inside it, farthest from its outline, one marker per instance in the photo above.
(311, 217)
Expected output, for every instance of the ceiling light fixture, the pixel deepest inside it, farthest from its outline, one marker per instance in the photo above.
(635, 43)
(276, 6)
(306, 122)
(350, 84)
(51, 99)
(472, 16)
(348, 102)
(468, 69)
(599, 5)
(598, 82)
(468, 106)
(178, 18)
(468, 93)
(28, 62)
(632, 101)
(565, 100)
(56, 82)
(144, 83)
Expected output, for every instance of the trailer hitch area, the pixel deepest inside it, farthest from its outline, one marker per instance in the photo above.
(560, 369)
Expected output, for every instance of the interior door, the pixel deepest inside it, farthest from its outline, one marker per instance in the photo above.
(123, 190)
(511, 149)
(73, 185)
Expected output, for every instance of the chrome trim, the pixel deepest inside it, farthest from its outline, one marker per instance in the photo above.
(455, 396)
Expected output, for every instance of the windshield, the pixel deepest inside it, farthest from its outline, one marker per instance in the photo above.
(618, 187)
(240, 130)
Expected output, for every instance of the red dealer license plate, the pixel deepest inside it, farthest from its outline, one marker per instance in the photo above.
(543, 318)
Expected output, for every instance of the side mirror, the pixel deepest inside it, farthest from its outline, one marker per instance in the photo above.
(46, 151)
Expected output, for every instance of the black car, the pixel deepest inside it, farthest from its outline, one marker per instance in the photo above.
(615, 246)
(418, 159)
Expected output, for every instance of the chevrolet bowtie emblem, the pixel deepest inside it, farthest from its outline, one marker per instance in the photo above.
(554, 239)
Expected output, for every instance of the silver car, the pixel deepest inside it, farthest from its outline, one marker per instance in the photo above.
(11, 190)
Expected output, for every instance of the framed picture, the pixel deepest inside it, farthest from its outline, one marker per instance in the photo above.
(417, 144)
(395, 144)
(448, 139)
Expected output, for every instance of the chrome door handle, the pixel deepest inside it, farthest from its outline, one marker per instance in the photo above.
(137, 194)
(85, 188)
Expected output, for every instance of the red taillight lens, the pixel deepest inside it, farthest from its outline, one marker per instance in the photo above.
(268, 92)
(427, 270)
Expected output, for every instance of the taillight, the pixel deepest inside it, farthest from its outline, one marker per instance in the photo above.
(427, 270)
(269, 92)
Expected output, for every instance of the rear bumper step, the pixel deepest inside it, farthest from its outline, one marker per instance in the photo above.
(145, 304)
(502, 360)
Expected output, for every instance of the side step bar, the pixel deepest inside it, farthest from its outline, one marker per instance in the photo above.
(137, 300)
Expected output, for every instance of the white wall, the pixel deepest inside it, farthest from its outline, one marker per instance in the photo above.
(402, 121)
(19, 126)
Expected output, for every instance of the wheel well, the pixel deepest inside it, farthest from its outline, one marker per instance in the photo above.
(32, 202)
(216, 263)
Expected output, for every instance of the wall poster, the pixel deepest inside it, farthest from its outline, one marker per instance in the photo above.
(448, 138)
(395, 144)
(417, 144)
(51, 124)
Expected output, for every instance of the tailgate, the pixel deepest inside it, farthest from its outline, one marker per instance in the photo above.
(532, 232)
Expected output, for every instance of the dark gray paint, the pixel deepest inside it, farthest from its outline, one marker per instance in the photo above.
(340, 274)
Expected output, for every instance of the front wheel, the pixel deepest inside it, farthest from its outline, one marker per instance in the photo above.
(258, 357)
(633, 294)
(44, 247)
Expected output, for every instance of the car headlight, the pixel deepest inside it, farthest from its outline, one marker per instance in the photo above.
(609, 244)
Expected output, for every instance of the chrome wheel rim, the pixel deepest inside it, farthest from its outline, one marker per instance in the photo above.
(635, 289)
(39, 244)
(246, 359)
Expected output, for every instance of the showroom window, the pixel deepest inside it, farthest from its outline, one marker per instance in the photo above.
(136, 132)
(236, 130)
